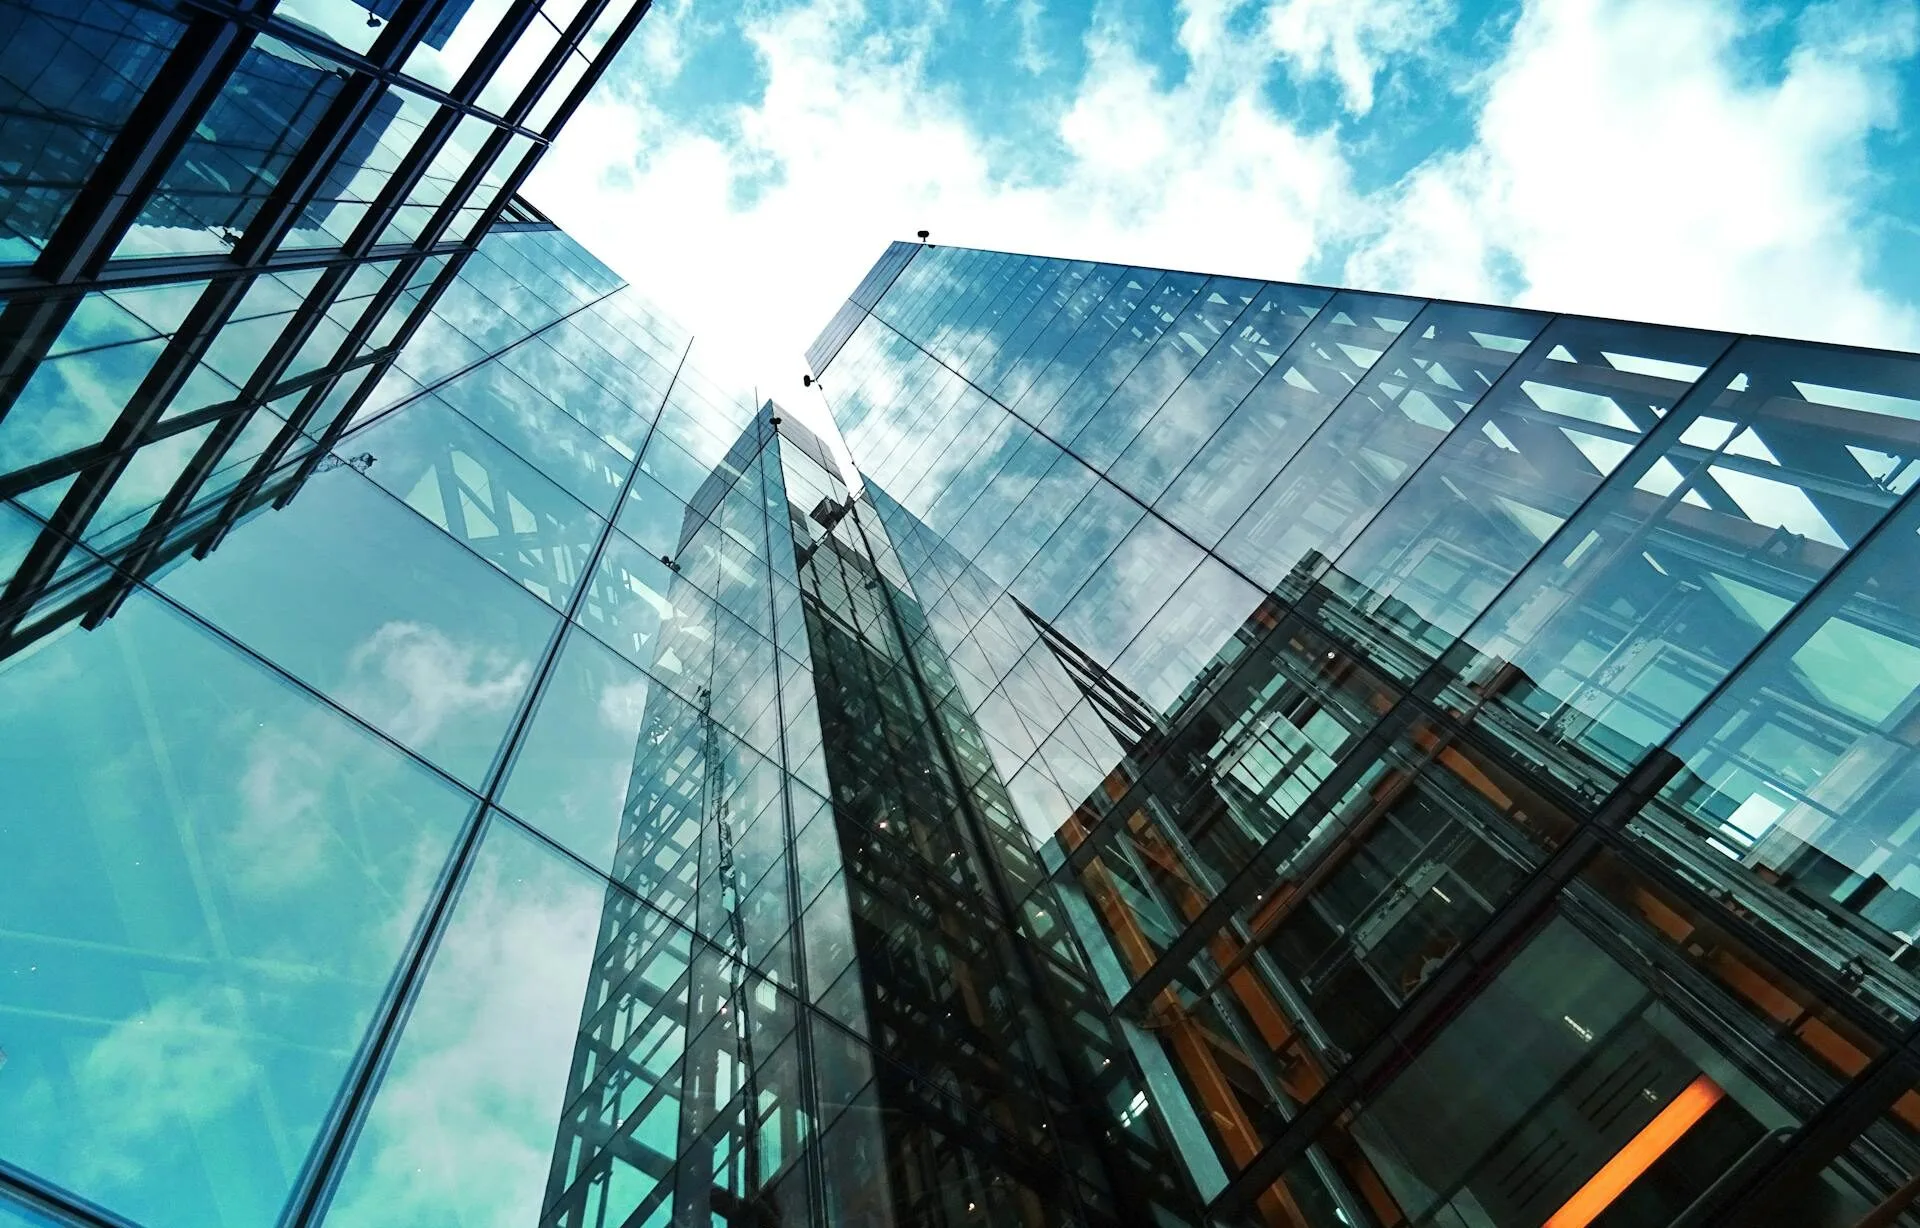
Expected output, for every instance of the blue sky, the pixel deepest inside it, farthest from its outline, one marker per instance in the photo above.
(1720, 163)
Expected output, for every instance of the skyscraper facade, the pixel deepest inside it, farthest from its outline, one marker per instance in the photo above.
(390, 659)
(1474, 748)
(1228, 753)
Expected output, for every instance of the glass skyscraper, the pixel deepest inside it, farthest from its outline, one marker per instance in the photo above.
(1229, 753)
(1474, 749)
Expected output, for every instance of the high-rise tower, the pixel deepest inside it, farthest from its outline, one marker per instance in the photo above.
(1475, 747)
(1234, 753)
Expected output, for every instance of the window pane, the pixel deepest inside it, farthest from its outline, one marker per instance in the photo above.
(265, 113)
(570, 776)
(215, 887)
(1534, 447)
(1207, 397)
(70, 74)
(464, 1125)
(1800, 779)
(484, 496)
(1343, 424)
(357, 595)
(535, 429)
(1749, 492)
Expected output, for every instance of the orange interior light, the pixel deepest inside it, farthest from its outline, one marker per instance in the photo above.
(1666, 1128)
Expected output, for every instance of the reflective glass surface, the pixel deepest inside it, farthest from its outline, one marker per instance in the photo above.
(1333, 653)
(212, 878)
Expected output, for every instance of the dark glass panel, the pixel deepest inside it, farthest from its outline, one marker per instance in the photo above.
(70, 74)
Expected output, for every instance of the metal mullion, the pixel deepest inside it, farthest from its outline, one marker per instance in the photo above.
(177, 361)
(1658, 765)
(400, 185)
(344, 420)
(252, 397)
(459, 196)
(117, 188)
(386, 70)
(1458, 982)
(550, 67)
(185, 88)
(142, 271)
(370, 316)
(499, 45)
(20, 481)
(58, 1205)
(308, 1202)
(598, 65)
(1822, 1138)
(309, 167)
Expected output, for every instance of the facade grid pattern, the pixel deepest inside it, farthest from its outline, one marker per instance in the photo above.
(1395, 683)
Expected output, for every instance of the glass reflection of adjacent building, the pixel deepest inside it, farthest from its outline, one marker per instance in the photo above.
(1238, 753)
(1481, 742)
(950, 1066)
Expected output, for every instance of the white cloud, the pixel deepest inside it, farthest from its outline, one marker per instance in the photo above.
(1033, 55)
(183, 1062)
(462, 1130)
(754, 236)
(1353, 43)
(1628, 157)
(412, 680)
(1629, 163)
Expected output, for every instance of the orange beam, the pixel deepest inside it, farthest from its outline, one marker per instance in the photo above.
(1627, 1164)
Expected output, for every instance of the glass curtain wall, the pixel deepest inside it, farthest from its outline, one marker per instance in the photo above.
(999, 1092)
(429, 852)
(219, 227)
(1475, 747)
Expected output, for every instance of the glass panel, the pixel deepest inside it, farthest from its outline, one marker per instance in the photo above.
(1174, 354)
(70, 74)
(1187, 637)
(1063, 483)
(265, 113)
(454, 40)
(485, 497)
(628, 600)
(1087, 333)
(563, 84)
(1746, 495)
(1530, 452)
(1104, 372)
(1127, 588)
(655, 519)
(352, 24)
(70, 402)
(534, 428)
(1797, 795)
(1565, 1053)
(351, 592)
(1356, 430)
(607, 397)
(570, 776)
(530, 50)
(149, 476)
(482, 1103)
(1233, 365)
(220, 879)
